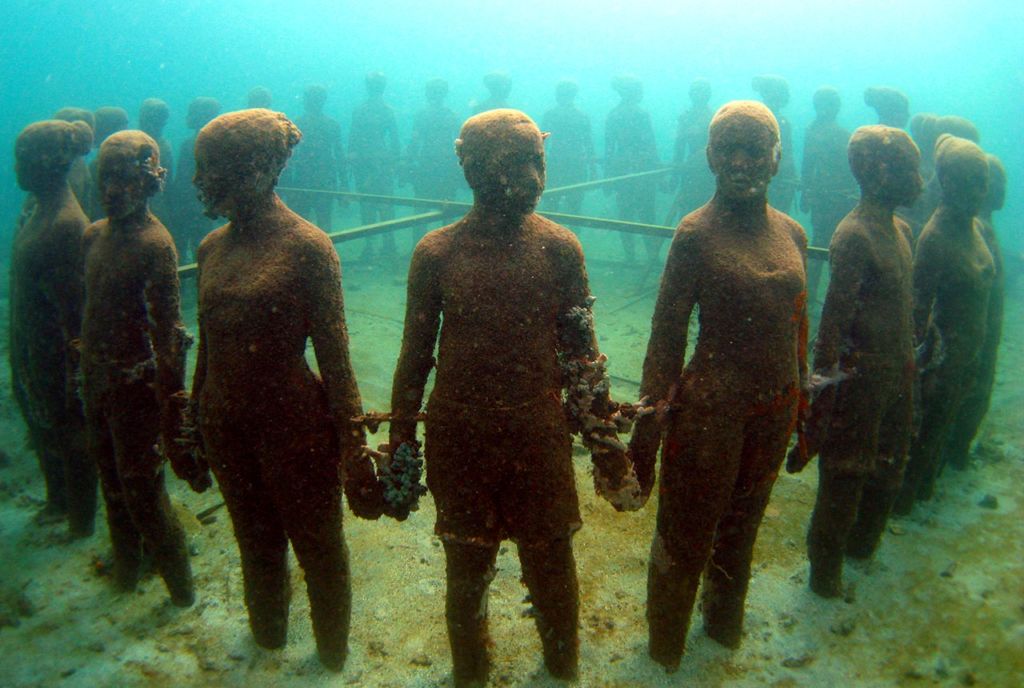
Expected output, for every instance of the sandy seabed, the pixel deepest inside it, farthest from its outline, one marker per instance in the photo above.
(942, 603)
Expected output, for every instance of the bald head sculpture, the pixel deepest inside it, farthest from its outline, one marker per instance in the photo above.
(502, 156)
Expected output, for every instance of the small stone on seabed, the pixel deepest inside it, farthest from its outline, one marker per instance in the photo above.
(844, 627)
(897, 530)
(989, 501)
(422, 660)
(798, 662)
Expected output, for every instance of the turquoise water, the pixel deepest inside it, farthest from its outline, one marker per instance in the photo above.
(940, 605)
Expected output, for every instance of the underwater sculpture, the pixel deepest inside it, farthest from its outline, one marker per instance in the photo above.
(432, 168)
(499, 86)
(45, 316)
(79, 177)
(190, 223)
(570, 148)
(259, 97)
(629, 147)
(695, 182)
(926, 130)
(133, 349)
(373, 150)
(891, 105)
(280, 440)
(862, 411)
(728, 416)
(828, 190)
(975, 404)
(953, 276)
(774, 92)
(153, 116)
(108, 120)
(319, 161)
(498, 449)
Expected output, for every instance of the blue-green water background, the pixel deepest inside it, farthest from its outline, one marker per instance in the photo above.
(950, 57)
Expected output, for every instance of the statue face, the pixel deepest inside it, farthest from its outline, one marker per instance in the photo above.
(968, 191)
(744, 158)
(511, 178)
(902, 179)
(124, 189)
(215, 188)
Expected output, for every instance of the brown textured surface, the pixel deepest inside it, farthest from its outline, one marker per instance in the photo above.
(498, 450)
(45, 315)
(864, 352)
(734, 405)
(953, 276)
(274, 432)
(133, 359)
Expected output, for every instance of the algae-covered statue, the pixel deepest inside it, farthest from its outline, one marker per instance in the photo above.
(729, 413)
(975, 404)
(108, 119)
(774, 92)
(319, 163)
(189, 223)
(133, 349)
(861, 416)
(279, 439)
(891, 105)
(45, 316)
(828, 188)
(512, 291)
(953, 276)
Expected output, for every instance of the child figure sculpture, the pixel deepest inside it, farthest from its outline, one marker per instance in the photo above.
(133, 363)
(498, 449)
(860, 420)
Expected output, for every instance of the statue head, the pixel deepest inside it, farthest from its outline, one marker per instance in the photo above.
(502, 155)
(743, 150)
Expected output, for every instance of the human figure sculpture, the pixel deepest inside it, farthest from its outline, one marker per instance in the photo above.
(499, 86)
(373, 149)
(861, 417)
(190, 222)
(570, 148)
(929, 129)
(279, 439)
(319, 162)
(891, 104)
(953, 276)
(45, 317)
(774, 92)
(81, 182)
(498, 450)
(433, 170)
(259, 97)
(729, 413)
(828, 191)
(630, 148)
(695, 182)
(109, 120)
(431, 167)
(976, 402)
(133, 349)
(153, 116)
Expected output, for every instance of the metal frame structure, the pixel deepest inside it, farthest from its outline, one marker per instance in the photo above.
(444, 210)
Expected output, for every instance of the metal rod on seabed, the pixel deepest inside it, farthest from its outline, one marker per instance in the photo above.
(446, 209)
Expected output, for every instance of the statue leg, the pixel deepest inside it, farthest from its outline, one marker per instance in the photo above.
(549, 571)
(134, 423)
(308, 497)
(261, 541)
(80, 481)
(51, 465)
(700, 463)
(469, 571)
(124, 536)
(835, 511)
(727, 573)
